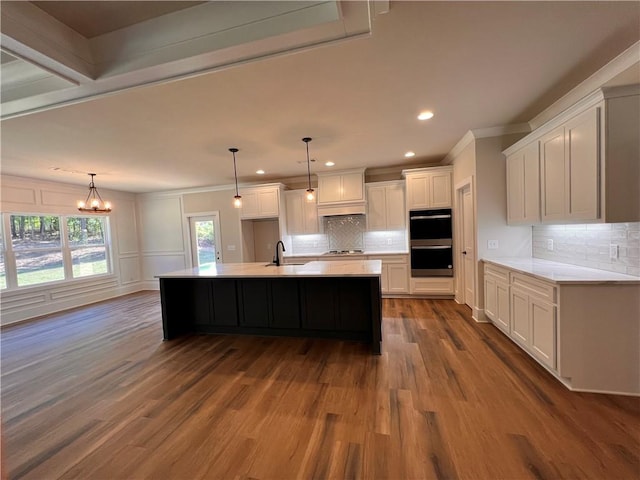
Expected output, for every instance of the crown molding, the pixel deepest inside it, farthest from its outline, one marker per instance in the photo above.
(619, 64)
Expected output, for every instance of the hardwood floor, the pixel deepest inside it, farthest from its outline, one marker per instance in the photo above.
(94, 393)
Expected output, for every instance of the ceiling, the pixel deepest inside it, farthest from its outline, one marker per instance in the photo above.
(148, 111)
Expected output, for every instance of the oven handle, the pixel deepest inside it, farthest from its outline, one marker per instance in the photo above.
(432, 247)
(430, 217)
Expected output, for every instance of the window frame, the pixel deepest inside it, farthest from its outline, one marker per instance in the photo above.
(11, 271)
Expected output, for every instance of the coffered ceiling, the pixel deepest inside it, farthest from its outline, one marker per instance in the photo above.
(150, 95)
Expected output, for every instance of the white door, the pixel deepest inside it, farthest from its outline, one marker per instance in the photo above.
(205, 239)
(468, 249)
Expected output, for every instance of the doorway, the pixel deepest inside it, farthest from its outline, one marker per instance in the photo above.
(205, 239)
(466, 254)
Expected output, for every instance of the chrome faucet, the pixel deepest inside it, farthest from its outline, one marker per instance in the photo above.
(276, 259)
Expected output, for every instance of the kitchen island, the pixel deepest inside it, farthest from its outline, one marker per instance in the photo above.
(325, 299)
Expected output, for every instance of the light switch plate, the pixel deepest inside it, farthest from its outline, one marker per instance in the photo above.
(550, 244)
(492, 244)
(388, 241)
(231, 248)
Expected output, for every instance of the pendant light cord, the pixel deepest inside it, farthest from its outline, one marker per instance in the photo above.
(306, 140)
(235, 171)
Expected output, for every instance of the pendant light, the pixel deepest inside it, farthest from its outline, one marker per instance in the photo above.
(94, 202)
(237, 200)
(310, 195)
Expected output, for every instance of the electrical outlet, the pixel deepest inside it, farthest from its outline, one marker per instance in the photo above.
(550, 244)
(492, 244)
(613, 252)
(315, 244)
(389, 241)
(231, 248)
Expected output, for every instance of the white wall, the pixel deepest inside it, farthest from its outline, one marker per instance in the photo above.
(30, 196)
(482, 161)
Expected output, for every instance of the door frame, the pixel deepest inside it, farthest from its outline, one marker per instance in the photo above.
(459, 189)
(215, 214)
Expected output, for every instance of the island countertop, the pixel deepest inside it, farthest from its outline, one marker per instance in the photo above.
(342, 268)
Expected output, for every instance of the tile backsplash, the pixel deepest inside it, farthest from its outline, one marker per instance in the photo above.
(348, 234)
(589, 245)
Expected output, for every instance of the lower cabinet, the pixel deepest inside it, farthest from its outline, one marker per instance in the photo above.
(524, 308)
(395, 273)
(496, 297)
(431, 285)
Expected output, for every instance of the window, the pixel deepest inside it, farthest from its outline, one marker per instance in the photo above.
(87, 246)
(37, 249)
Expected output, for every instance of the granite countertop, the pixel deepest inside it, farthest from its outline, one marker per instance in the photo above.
(344, 268)
(561, 272)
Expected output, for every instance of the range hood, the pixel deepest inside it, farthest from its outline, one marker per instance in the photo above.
(342, 208)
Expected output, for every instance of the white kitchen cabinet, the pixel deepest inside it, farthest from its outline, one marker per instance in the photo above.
(589, 165)
(523, 186)
(395, 273)
(302, 216)
(570, 165)
(385, 206)
(340, 187)
(436, 286)
(533, 317)
(428, 187)
(496, 297)
(260, 202)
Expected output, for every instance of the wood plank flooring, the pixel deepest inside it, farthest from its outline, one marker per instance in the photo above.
(94, 393)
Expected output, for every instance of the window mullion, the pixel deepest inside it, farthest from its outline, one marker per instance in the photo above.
(66, 251)
(10, 268)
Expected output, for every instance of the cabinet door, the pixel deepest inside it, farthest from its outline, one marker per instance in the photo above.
(543, 331)
(352, 187)
(376, 208)
(418, 191)
(285, 303)
(225, 302)
(398, 278)
(329, 188)
(268, 203)
(490, 298)
(311, 224)
(503, 319)
(254, 302)
(582, 174)
(523, 186)
(440, 189)
(520, 317)
(553, 173)
(394, 207)
(384, 279)
(250, 208)
(294, 203)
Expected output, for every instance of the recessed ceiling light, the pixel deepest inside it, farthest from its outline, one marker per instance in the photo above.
(260, 172)
(425, 115)
(329, 164)
(410, 154)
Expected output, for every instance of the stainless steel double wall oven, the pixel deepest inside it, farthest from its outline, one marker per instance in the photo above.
(431, 242)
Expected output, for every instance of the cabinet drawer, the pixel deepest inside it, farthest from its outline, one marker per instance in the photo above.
(432, 286)
(533, 286)
(390, 258)
(498, 272)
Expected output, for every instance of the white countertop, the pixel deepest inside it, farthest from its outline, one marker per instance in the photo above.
(561, 272)
(346, 255)
(341, 268)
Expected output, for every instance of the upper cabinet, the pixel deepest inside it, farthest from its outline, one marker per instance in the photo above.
(339, 187)
(523, 182)
(585, 164)
(385, 206)
(428, 187)
(302, 216)
(261, 201)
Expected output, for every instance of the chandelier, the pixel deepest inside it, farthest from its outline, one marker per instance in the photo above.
(94, 202)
